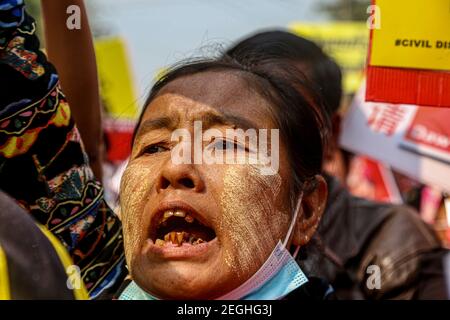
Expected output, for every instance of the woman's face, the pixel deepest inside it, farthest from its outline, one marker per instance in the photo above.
(199, 230)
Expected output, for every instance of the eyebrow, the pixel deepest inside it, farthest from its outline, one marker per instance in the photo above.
(157, 123)
(208, 120)
(211, 119)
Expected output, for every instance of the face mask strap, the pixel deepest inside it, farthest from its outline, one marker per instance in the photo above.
(297, 249)
(289, 234)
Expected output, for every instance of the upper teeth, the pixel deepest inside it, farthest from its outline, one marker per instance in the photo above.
(168, 214)
(177, 213)
(180, 213)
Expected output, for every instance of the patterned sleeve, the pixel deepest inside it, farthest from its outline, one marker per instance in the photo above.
(43, 164)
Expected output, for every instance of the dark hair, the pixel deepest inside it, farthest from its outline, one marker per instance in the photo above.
(297, 113)
(310, 59)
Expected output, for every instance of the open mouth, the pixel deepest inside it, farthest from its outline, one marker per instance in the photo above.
(178, 227)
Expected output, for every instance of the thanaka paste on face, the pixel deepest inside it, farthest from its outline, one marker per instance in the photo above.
(250, 219)
(136, 184)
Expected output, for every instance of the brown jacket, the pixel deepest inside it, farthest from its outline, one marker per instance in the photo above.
(357, 238)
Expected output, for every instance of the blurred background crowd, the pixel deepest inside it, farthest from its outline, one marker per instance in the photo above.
(136, 40)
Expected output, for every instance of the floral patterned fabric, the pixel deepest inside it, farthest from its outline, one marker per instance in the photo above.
(43, 164)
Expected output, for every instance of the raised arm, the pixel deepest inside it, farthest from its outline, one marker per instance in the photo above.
(72, 53)
(42, 160)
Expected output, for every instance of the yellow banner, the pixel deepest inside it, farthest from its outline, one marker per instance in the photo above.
(116, 83)
(346, 42)
(413, 34)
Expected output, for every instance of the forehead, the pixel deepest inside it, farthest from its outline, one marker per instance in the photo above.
(217, 92)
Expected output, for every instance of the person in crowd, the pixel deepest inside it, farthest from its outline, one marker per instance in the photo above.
(71, 51)
(33, 263)
(194, 227)
(43, 163)
(359, 240)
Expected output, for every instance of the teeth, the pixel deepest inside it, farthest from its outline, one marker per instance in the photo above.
(168, 214)
(180, 238)
(180, 213)
(198, 241)
(173, 236)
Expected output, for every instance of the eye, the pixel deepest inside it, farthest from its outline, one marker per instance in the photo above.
(154, 148)
(222, 144)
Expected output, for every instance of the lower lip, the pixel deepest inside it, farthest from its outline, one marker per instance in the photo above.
(185, 251)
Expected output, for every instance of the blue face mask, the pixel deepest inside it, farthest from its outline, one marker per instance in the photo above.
(134, 292)
(277, 277)
(286, 280)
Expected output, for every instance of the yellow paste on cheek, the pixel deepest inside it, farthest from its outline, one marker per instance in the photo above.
(250, 221)
(137, 181)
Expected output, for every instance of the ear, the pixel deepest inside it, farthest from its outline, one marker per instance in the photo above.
(312, 208)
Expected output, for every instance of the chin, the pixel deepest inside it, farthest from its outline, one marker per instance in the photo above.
(181, 280)
(181, 291)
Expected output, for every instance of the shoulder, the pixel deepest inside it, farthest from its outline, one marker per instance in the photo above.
(402, 235)
(398, 250)
(366, 223)
(23, 244)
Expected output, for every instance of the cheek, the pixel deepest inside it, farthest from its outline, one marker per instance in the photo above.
(137, 181)
(253, 218)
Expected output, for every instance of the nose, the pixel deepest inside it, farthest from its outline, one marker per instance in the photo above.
(180, 176)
